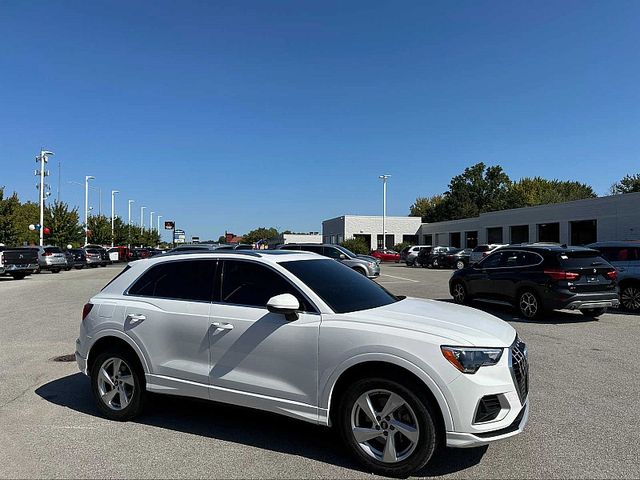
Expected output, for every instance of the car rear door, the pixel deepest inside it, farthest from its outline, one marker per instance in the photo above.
(259, 358)
(166, 313)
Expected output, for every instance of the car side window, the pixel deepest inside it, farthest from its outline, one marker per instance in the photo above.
(332, 252)
(494, 260)
(181, 280)
(252, 284)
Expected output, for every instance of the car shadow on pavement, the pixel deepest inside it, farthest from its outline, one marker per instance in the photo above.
(243, 425)
(510, 314)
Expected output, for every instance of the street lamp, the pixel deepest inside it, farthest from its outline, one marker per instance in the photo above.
(113, 214)
(158, 217)
(86, 207)
(151, 221)
(384, 208)
(129, 224)
(142, 219)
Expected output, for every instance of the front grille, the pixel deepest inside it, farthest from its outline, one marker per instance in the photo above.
(519, 365)
(488, 409)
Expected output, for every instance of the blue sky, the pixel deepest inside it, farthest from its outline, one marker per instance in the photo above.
(233, 115)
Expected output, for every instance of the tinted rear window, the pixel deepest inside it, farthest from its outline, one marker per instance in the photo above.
(182, 280)
(52, 250)
(341, 287)
(581, 259)
(482, 248)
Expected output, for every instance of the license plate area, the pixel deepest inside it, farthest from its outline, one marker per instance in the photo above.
(592, 278)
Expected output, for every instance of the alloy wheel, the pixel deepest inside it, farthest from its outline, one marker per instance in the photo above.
(630, 298)
(459, 293)
(384, 426)
(116, 385)
(528, 304)
(459, 264)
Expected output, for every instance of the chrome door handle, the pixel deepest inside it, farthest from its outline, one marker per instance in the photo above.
(222, 325)
(135, 317)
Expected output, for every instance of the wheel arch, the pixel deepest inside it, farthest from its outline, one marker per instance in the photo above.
(112, 338)
(394, 368)
(627, 282)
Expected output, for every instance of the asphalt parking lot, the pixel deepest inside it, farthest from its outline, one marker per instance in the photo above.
(585, 396)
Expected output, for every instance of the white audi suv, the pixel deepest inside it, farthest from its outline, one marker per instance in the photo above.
(304, 336)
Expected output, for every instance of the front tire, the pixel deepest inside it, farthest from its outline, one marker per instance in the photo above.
(460, 265)
(630, 298)
(387, 427)
(18, 276)
(361, 270)
(459, 293)
(117, 384)
(593, 312)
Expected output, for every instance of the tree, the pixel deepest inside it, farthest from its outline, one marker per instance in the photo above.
(9, 234)
(477, 190)
(398, 247)
(530, 191)
(430, 209)
(64, 225)
(222, 239)
(628, 184)
(100, 230)
(356, 245)
(262, 233)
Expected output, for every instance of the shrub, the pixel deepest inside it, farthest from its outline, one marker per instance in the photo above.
(356, 245)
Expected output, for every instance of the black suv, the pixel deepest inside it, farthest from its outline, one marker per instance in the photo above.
(536, 278)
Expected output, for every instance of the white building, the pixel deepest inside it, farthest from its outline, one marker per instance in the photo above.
(284, 238)
(369, 228)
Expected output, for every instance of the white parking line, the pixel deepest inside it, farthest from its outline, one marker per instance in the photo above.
(400, 278)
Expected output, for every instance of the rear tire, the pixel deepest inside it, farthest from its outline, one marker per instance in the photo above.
(117, 384)
(593, 312)
(56, 270)
(529, 304)
(387, 426)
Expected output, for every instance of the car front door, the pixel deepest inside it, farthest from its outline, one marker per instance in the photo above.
(479, 281)
(259, 358)
(166, 313)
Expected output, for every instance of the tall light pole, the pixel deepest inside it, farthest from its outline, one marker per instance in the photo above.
(151, 221)
(86, 208)
(42, 158)
(384, 208)
(158, 217)
(113, 214)
(142, 219)
(129, 225)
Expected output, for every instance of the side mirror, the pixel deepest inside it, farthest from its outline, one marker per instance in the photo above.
(342, 256)
(285, 304)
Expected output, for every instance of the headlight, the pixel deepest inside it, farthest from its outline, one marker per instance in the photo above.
(372, 264)
(469, 360)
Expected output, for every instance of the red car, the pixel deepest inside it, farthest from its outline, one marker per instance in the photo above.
(386, 255)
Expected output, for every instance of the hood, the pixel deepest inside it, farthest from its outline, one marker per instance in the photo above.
(456, 324)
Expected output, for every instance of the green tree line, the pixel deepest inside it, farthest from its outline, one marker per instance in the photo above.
(64, 225)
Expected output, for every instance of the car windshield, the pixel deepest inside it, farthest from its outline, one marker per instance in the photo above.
(341, 287)
(346, 251)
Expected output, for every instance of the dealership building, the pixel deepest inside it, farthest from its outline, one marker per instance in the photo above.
(580, 222)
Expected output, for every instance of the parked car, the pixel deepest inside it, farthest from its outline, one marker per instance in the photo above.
(435, 257)
(300, 335)
(79, 258)
(386, 255)
(119, 253)
(365, 267)
(481, 251)
(50, 258)
(536, 278)
(412, 253)
(194, 248)
(459, 259)
(94, 257)
(625, 257)
(104, 255)
(18, 262)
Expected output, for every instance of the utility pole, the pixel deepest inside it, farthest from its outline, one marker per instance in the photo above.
(113, 215)
(86, 208)
(42, 158)
(142, 219)
(384, 209)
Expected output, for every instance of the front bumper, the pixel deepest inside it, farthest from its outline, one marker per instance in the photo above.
(469, 440)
